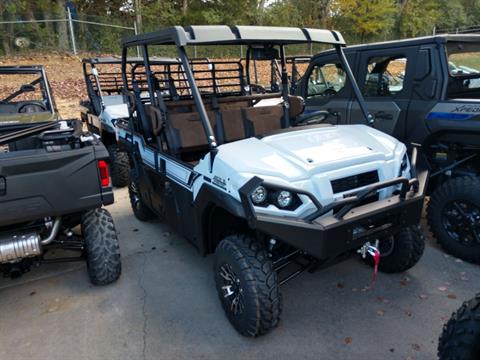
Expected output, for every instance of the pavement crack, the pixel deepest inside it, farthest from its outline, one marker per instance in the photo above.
(144, 303)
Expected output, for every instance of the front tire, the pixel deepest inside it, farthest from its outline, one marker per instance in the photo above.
(247, 285)
(453, 215)
(460, 338)
(140, 210)
(401, 251)
(102, 249)
(119, 166)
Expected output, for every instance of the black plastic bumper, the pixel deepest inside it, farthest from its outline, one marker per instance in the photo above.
(350, 226)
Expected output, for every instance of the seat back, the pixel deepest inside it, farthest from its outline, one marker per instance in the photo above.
(264, 119)
(185, 134)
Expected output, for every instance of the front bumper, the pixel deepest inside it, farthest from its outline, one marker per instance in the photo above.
(343, 225)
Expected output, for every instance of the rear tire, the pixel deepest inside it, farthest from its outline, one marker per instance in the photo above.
(102, 249)
(119, 166)
(141, 211)
(460, 337)
(400, 251)
(247, 285)
(453, 215)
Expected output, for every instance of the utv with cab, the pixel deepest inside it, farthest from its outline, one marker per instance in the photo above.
(53, 177)
(267, 191)
(424, 91)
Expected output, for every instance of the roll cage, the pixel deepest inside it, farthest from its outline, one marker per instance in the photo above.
(41, 81)
(253, 37)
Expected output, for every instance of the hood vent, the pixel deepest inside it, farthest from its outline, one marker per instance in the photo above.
(354, 181)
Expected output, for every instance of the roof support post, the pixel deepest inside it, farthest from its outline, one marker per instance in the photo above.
(212, 143)
(148, 71)
(358, 94)
(286, 101)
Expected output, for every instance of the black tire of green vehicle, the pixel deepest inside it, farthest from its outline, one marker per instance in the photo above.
(259, 283)
(408, 247)
(102, 250)
(462, 188)
(140, 210)
(119, 166)
(460, 338)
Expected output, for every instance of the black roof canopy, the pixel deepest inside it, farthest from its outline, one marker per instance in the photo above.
(397, 44)
(235, 35)
(22, 69)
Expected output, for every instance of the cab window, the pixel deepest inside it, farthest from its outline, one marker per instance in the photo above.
(325, 81)
(385, 76)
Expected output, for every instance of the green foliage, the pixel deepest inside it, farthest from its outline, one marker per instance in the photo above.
(417, 16)
(367, 19)
(358, 20)
(452, 14)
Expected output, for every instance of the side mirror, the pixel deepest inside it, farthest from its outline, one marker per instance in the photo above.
(27, 88)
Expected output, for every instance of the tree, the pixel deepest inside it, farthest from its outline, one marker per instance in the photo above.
(365, 19)
(61, 26)
(417, 17)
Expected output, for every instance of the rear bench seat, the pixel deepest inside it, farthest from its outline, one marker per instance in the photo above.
(230, 120)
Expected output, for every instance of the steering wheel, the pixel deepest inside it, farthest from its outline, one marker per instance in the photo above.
(329, 92)
(259, 89)
(30, 108)
(312, 118)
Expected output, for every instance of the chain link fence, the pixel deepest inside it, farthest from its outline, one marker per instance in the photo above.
(76, 33)
(73, 33)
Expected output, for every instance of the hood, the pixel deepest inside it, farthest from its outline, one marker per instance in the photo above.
(301, 153)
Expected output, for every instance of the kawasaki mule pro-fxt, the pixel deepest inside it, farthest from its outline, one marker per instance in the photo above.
(269, 192)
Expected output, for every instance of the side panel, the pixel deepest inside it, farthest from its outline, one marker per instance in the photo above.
(386, 79)
(427, 89)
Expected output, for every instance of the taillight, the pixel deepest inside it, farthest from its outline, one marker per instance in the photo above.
(103, 168)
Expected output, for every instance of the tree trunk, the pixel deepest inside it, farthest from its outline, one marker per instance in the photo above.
(47, 15)
(7, 32)
(62, 29)
(184, 7)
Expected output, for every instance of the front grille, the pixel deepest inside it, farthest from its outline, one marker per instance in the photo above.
(354, 181)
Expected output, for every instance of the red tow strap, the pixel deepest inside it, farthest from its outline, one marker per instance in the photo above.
(376, 261)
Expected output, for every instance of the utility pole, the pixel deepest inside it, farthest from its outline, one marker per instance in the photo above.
(72, 33)
(138, 15)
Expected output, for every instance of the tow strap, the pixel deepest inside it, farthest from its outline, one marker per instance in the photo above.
(375, 254)
(372, 250)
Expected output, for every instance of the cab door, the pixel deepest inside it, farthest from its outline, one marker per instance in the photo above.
(386, 84)
(325, 87)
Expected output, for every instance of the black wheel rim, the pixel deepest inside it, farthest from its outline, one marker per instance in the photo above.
(135, 195)
(386, 245)
(231, 289)
(461, 220)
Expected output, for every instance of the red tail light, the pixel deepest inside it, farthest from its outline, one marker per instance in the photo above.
(103, 168)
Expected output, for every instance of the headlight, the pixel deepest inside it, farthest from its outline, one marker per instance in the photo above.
(284, 199)
(259, 195)
(264, 196)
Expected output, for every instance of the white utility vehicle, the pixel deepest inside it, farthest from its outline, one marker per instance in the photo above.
(105, 105)
(270, 191)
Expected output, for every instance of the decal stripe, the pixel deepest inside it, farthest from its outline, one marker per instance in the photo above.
(448, 116)
(174, 170)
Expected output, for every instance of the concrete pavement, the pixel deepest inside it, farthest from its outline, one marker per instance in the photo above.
(165, 307)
